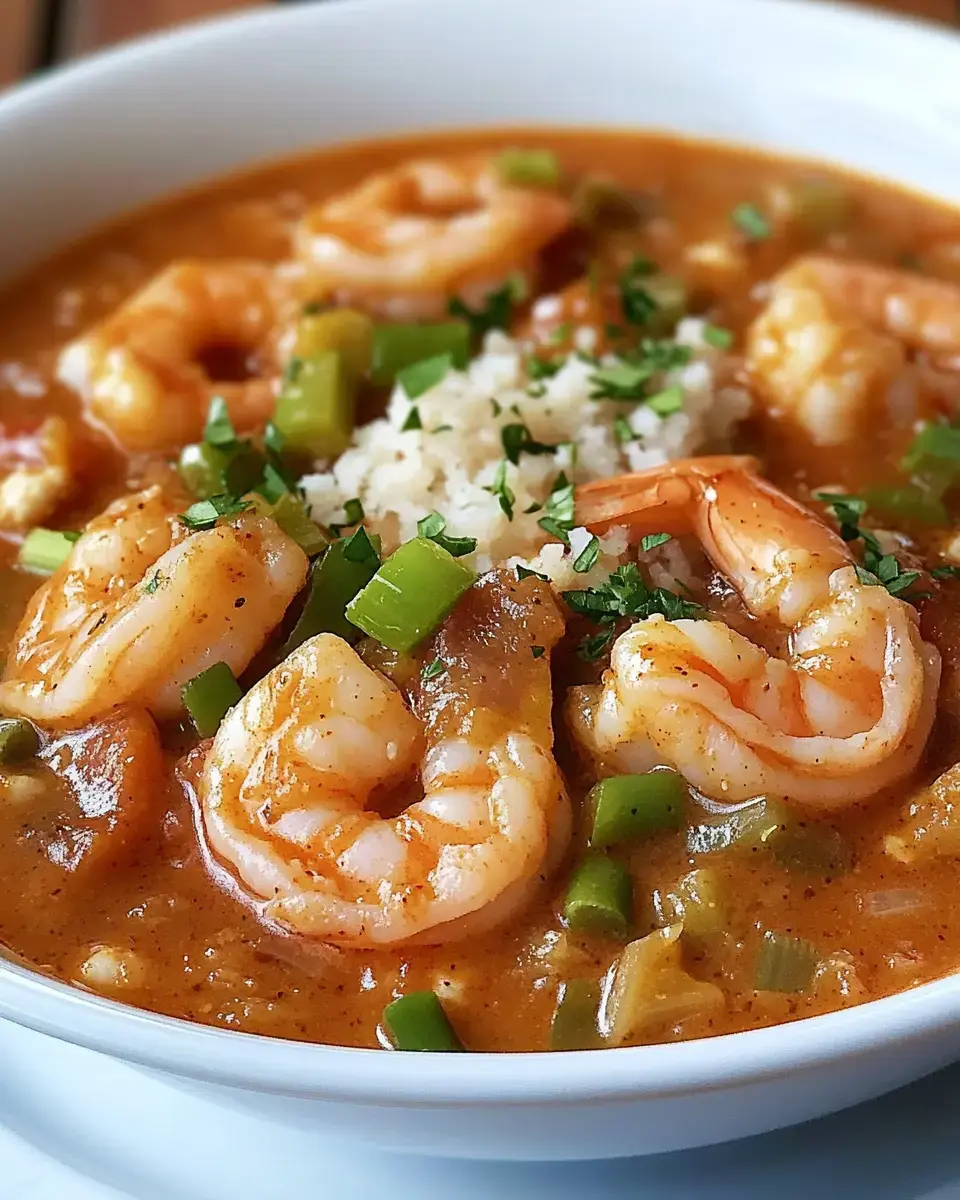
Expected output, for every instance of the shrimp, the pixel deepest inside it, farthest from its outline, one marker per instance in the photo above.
(296, 790)
(843, 713)
(830, 347)
(39, 474)
(405, 240)
(140, 607)
(197, 330)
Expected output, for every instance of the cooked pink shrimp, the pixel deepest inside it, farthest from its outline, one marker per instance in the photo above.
(406, 240)
(148, 371)
(829, 348)
(846, 710)
(36, 474)
(140, 607)
(293, 785)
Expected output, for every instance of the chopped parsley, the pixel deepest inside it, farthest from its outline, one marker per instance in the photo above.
(352, 511)
(273, 483)
(650, 541)
(624, 595)
(635, 300)
(538, 651)
(559, 519)
(946, 572)
(312, 307)
(153, 583)
(720, 339)
(517, 440)
(358, 547)
(219, 430)
(433, 526)
(273, 439)
(562, 332)
(432, 670)
(205, 513)
(751, 222)
(587, 558)
(527, 573)
(670, 400)
(627, 379)
(622, 430)
(542, 368)
(421, 376)
(496, 310)
(412, 420)
(502, 491)
(878, 569)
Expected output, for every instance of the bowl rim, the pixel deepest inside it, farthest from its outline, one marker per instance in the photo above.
(282, 1066)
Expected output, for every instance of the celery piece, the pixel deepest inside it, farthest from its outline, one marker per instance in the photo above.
(784, 963)
(697, 900)
(411, 594)
(576, 1019)
(348, 332)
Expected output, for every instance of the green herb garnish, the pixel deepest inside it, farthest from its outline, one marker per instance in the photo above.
(878, 569)
(504, 494)
(432, 670)
(421, 376)
(433, 525)
(516, 440)
(587, 558)
(650, 541)
(624, 595)
(205, 513)
(751, 222)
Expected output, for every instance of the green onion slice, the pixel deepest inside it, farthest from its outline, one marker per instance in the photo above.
(45, 550)
(529, 168)
(600, 898)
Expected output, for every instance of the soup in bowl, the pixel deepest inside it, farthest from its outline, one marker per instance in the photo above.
(487, 591)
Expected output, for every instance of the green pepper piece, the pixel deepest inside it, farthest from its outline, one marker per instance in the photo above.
(399, 346)
(785, 964)
(417, 1022)
(315, 408)
(209, 696)
(44, 550)
(412, 593)
(576, 1022)
(334, 581)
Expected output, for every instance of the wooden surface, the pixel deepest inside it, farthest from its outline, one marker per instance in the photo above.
(87, 24)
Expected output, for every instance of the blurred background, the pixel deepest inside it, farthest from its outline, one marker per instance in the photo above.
(37, 34)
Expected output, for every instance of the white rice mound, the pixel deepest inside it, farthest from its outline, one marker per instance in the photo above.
(448, 465)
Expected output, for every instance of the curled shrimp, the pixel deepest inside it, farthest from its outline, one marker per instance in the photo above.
(141, 606)
(405, 240)
(296, 788)
(197, 330)
(829, 347)
(844, 712)
(36, 474)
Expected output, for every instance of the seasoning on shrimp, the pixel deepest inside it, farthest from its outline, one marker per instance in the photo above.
(843, 714)
(291, 789)
(149, 371)
(140, 607)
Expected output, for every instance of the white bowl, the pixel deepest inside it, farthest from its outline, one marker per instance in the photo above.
(793, 76)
